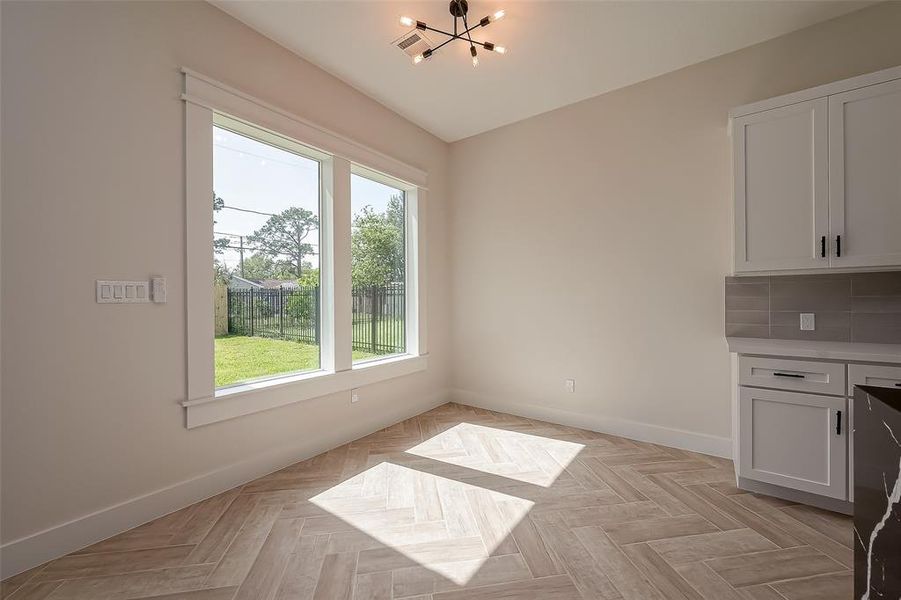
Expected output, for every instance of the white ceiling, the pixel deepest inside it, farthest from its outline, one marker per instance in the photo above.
(560, 52)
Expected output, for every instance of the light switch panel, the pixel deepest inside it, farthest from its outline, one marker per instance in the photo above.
(122, 292)
(159, 290)
(807, 322)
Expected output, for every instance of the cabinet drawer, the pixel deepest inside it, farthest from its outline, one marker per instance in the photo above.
(795, 375)
(875, 375)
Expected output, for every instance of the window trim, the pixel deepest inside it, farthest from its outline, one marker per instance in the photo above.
(339, 157)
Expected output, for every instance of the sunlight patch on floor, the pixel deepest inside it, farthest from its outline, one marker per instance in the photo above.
(447, 526)
(529, 458)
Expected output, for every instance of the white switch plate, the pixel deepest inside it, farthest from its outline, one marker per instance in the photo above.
(122, 292)
(570, 385)
(159, 289)
(808, 322)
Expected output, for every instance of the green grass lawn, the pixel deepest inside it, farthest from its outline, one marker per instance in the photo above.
(242, 358)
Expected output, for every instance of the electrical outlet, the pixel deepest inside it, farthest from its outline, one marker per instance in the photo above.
(570, 385)
(808, 322)
(354, 396)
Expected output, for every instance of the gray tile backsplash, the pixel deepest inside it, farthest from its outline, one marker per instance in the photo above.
(858, 307)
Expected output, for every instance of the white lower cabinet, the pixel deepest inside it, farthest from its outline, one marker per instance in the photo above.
(795, 425)
(794, 440)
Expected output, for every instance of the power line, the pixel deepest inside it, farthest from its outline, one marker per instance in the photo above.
(247, 235)
(267, 158)
(269, 251)
(248, 210)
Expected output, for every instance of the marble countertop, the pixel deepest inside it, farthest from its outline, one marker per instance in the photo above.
(885, 353)
(890, 396)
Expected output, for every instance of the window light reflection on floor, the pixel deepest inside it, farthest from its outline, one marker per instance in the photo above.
(446, 526)
(529, 458)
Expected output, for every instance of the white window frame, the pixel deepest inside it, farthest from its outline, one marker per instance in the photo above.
(339, 156)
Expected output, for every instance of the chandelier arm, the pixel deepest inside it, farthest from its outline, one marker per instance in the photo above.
(444, 43)
(448, 34)
(456, 37)
(468, 29)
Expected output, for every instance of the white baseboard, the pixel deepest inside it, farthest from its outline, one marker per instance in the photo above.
(633, 430)
(35, 549)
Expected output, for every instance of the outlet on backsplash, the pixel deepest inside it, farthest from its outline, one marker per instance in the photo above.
(807, 322)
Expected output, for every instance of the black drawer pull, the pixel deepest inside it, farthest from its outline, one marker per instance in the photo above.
(792, 375)
(898, 385)
(838, 246)
(838, 423)
(823, 247)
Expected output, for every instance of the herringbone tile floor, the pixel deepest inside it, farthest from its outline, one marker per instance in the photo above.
(461, 502)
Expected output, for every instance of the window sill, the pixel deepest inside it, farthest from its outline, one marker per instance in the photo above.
(250, 398)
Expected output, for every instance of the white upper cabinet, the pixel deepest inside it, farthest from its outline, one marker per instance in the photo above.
(781, 187)
(865, 176)
(817, 177)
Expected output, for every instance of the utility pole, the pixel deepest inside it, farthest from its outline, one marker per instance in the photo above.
(241, 253)
(299, 246)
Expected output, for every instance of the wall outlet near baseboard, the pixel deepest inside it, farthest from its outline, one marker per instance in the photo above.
(570, 385)
(354, 396)
(808, 322)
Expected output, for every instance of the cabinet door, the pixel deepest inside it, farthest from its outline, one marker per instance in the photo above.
(865, 176)
(781, 196)
(792, 440)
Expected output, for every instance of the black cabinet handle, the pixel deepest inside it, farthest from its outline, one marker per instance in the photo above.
(823, 247)
(838, 423)
(898, 385)
(838, 246)
(792, 375)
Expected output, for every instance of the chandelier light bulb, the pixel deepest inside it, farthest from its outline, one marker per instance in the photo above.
(500, 49)
(417, 59)
(407, 21)
(498, 15)
(475, 61)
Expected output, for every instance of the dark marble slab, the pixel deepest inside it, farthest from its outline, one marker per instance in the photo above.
(877, 493)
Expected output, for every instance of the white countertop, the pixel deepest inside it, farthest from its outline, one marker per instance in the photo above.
(886, 353)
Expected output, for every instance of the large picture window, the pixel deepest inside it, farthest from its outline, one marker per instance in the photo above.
(304, 254)
(266, 256)
(378, 268)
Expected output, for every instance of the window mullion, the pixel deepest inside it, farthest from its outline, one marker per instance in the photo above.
(415, 301)
(339, 232)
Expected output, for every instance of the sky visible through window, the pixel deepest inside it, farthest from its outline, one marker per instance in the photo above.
(251, 175)
(366, 192)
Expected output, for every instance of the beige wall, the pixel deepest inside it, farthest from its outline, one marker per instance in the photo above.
(93, 188)
(591, 242)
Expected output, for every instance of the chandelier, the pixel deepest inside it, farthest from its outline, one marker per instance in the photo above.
(458, 8)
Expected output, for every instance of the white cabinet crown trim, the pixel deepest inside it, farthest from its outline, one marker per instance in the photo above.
(821, 91)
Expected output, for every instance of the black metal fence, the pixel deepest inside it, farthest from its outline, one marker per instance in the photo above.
(379, 324)
(282, 314)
